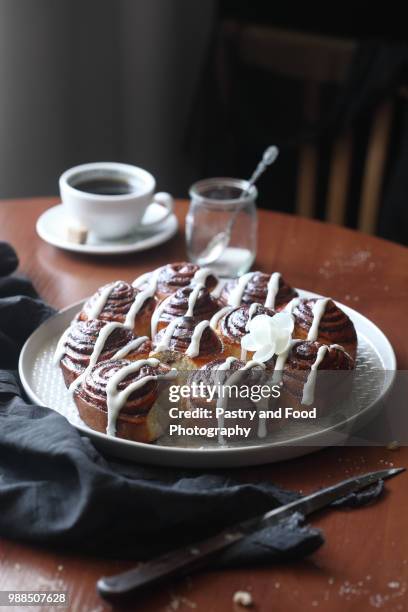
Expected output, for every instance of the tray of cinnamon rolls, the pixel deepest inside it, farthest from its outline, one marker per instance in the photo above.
(110, 363)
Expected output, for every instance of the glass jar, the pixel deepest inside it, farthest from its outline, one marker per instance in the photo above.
(221, 226)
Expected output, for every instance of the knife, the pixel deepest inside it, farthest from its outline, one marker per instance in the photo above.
(190, 558)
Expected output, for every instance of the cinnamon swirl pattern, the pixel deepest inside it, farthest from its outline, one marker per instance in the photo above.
(315, 374)
(271, 290)
(87, 342)
(175, 276)
(232, 324)
(119, 397)
(321, 319)
(193, 301)
(187, 342)
(122, 303)
(220, 372)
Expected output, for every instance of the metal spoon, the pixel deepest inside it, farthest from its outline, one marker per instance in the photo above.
(219, 242)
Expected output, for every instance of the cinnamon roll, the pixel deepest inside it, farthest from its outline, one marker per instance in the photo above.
(169, 278)
(314, 374)
(121, 397)
(223, 374)
(193, 301)
(86, 342)
(322, 320)
(121, 302)
(271, 290)
(231, 326)
(187, 343)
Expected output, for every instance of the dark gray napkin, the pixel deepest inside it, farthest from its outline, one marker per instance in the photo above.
(57, 490)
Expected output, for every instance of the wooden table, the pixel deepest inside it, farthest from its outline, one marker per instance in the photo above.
(364, 562)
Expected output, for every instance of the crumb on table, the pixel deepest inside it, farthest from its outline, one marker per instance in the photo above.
(243, 598)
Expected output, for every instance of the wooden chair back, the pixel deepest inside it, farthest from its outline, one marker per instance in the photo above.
(316, 60)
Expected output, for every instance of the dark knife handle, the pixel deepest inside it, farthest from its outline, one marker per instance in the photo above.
(180, 562)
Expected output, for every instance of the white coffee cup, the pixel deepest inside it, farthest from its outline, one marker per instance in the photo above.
(111, 215)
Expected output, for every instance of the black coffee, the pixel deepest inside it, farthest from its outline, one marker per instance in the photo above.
(222, 193)
(105, 186)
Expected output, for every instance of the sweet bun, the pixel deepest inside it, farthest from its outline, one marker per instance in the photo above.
(173, 276)
(121, 302)
(187, 343)
(91, 341)
(217, 373)
(322, 320)
(231, 325)
(192, 301)
(315, 374)
(271, 290)
(121, 398)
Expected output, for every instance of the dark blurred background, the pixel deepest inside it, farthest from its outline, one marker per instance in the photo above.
(193, 89)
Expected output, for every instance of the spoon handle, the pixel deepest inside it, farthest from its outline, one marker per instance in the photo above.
(269, 156)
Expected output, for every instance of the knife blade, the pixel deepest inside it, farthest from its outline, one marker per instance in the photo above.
(188, 559)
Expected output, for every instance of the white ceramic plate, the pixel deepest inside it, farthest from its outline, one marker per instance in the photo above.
(51, 227)
(44, 385)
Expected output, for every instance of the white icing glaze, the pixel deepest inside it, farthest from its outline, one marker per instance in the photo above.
(216, 292)
(253, 364)
(341, 348)
(290, 306)
(115, 399)
(142, 279)
(273, 288)
(168, 332)
(238, 291)
(221, 400)
(218, 315)
(227, 363)
(318, 310)
(201, 276)
(194, 346)
(60, 348)
(131, 346)
(281, 361)
(252, 310)
(262, 405)
(192, 298)
(156, 315)
(338, 346)
(231, 380)
(309, 386)
(100, 342)
(140, 299)
(99, 304)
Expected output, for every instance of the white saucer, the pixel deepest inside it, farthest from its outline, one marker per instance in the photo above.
(51, 228)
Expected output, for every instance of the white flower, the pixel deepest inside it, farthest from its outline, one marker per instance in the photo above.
(268, 336)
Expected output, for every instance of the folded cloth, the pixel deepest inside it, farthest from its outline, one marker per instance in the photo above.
(57, 490)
